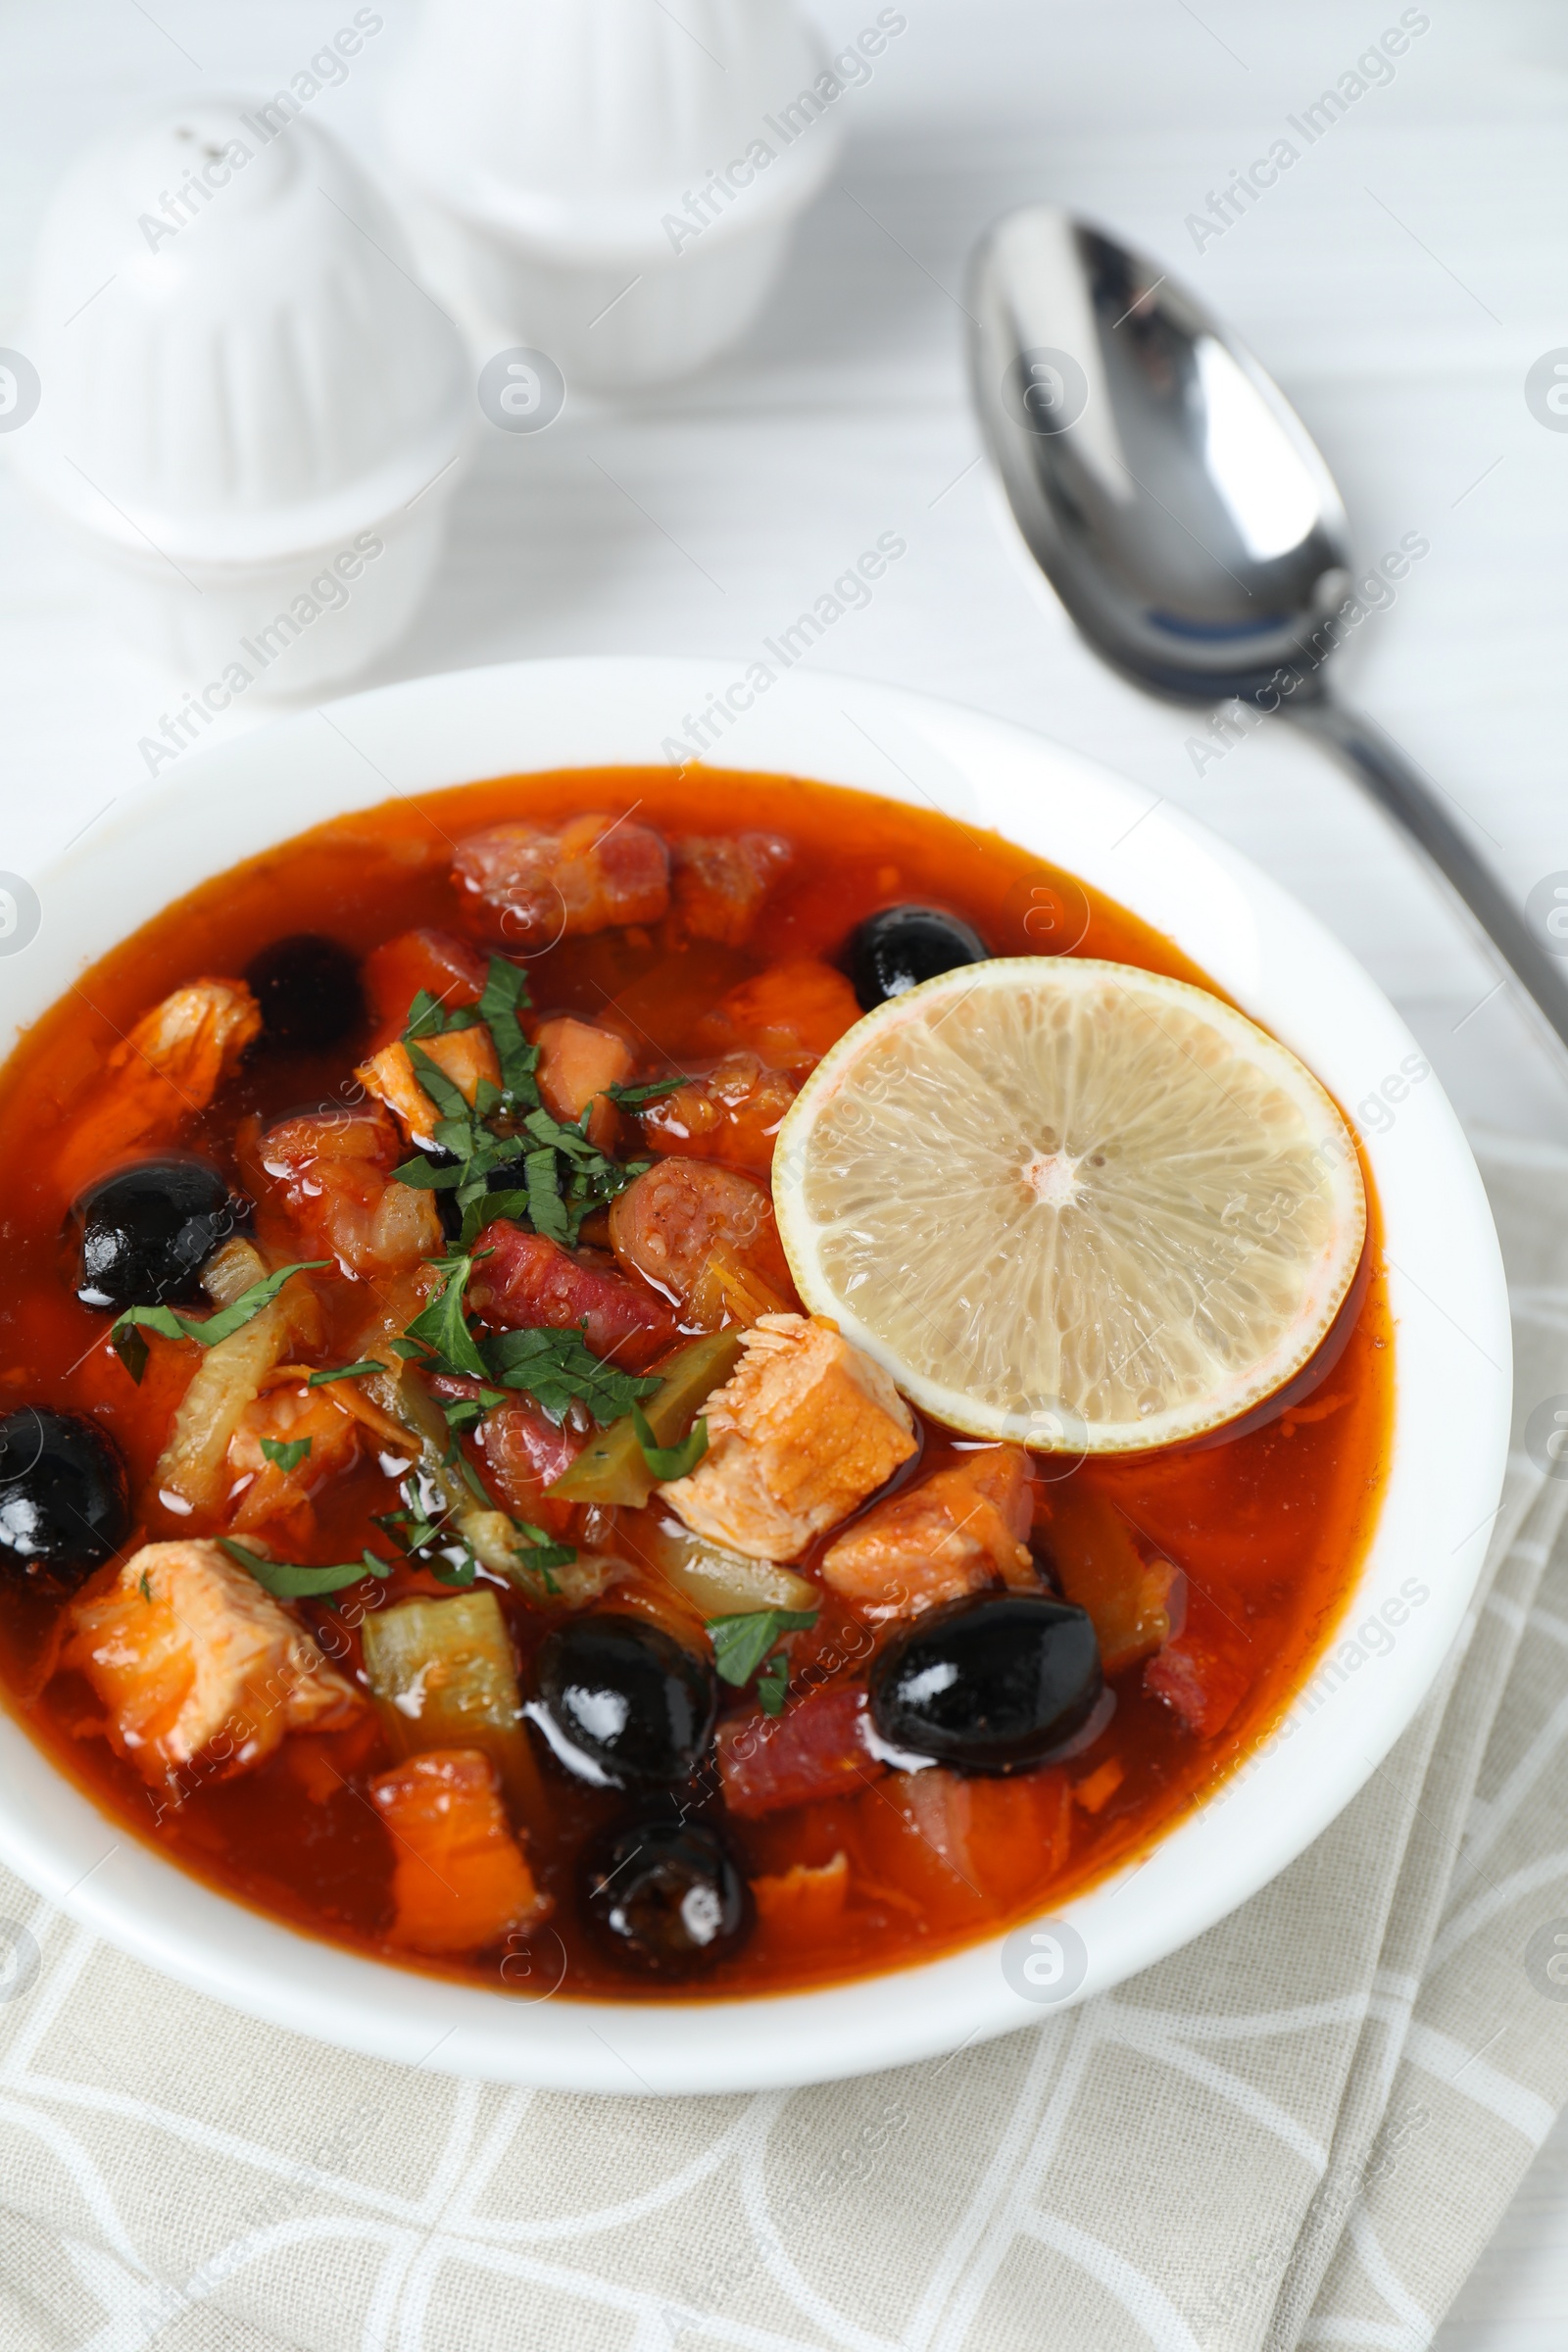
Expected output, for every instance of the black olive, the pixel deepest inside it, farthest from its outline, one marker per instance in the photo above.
(309, 991)
(666, 1898)
(993, 1684)
(63, 1498)
(623, 1696)
(903, 946)
(148, 1230)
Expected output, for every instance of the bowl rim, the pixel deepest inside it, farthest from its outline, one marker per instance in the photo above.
(1446, 1292)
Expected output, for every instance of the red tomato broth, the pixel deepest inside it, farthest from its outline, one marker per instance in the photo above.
(1269, 1521)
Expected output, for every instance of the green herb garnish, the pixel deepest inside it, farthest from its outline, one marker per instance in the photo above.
(143, 1587)
(741, 1643)
(286, 1454)
(428, 1016)
(632, 1097)
(286, 1582)
(505, 995)
(773, 1684)
(557, 1367)
(670, 1462)
(206, 1331)
(319, 1380)
(440, 1331)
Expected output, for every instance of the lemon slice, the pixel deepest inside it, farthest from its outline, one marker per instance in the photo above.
(1069, 1202)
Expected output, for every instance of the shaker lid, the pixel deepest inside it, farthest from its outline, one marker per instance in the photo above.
(235, 357)
(578, 126)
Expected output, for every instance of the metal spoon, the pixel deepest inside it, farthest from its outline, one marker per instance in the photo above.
(1186, 520)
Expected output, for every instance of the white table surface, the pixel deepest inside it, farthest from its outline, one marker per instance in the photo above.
(1400, 282)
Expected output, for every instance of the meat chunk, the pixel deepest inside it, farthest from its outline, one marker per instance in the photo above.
(804, 1429)
(733, 1114)
(458, 1879)
(467, 1056)
(524, 887)
(335, 1171)
(719, 880)
(577, 1061)
(441, 964)
(789, 1014)
(529, 1283)
(159, 1077)
(1195, 1677)
(706, 1237)
(192, 1658)
(817, 1748)
(956, 1845)
(264, 1493)
(949, 1535)
(524, 1451)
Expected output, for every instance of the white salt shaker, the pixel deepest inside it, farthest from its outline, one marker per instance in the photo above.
(613, 182)
(251, 413)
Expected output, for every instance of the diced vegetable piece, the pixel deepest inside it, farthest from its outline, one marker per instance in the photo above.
(718, 882)
(1102, 1566)
(522, 886)
(439, 962)
(157, 1079)
(707, 1238)
(805, 1903)
(458, 1879)
(806, 1428)
(1198, 1681)
(313, 1437)
(442, 1674)
(958, 1844)
(191, 1657)
(467, 1056)
(953, 1533)
(1096, 1790)
(717, 1582)
(193, 1464)
(789, 1014)
(733, 1114)
(400, 1394)
(817, 1748)
(528, 1282)
(610, 1468)
(577, 1062)
(334, 1170)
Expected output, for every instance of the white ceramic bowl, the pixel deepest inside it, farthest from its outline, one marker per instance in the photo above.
(1445, 1287)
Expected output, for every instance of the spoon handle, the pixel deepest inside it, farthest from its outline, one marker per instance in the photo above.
(1403, 793)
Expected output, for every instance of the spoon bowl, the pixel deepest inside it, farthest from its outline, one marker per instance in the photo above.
(1186, 520)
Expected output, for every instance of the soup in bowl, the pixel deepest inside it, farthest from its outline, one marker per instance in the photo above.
(656, 1410)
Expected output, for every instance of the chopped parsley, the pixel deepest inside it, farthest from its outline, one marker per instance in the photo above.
(286, 1582)
(370, 1363)
(440, 1331)
(143, 1587)
(131, 1348)
(632, 1097)
(556, 1368)
(669, 1461)
(741, 1643)
(286, 1454)
(557, 1176)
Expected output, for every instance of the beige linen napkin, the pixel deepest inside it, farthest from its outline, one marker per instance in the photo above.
(1300, 2131)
